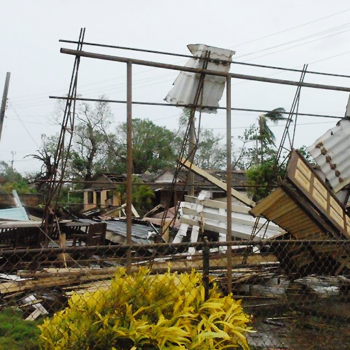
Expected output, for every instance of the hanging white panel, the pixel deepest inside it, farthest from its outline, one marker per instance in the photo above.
(186, 84)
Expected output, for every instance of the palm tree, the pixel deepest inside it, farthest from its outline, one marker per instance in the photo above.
(265, 135)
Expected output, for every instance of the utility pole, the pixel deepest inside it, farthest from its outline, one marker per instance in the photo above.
(13, 158)
(4, 100)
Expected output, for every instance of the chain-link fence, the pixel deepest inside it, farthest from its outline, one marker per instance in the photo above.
(294, 294)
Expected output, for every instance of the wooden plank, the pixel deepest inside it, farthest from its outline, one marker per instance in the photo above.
(280, 202)
(34, 315)
(181, 233)
(218, 261)
(223, 219)
(210, 203)
(295, 219)
(239, 196)
(302, 226)
(9, 287)
(264, 204)
(134, 212)
(218, 229)
(283, 210)
(333, 210)
(194, 238)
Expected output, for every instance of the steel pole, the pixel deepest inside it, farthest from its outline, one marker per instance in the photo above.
(229, 184)
(200, 70)
(129, 165)
(191, 149)
(4, 100)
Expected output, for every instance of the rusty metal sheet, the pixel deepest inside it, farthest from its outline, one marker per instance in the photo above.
(331, 153)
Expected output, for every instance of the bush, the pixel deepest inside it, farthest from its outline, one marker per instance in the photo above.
(141, 311)
(16, 333)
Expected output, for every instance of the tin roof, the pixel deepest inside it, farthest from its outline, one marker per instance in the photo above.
(116, 228)
(332, 153)
(17, 214)
(186, 84)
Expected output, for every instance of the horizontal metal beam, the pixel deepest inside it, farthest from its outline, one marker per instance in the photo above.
(199, 70)
(203, 58)
(190, 106)
(121, 248)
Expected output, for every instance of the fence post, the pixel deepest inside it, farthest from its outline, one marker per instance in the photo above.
(206, 266)
(129, 168)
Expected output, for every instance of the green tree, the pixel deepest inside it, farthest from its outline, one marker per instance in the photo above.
(142, 195)
(91, 142)
(244, 158)
(93, 147)
(210, 154)
(153, 146)
(265, 135)
(305, 153)
(260, 162)
(12, 180)
(210, 151)
(263, 176)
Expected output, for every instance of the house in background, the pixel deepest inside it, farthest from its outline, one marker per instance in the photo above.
(168, 193)
(103, 193)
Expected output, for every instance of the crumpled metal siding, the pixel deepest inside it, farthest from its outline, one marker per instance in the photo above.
(16, 214)
(186, 84)
(332, 153)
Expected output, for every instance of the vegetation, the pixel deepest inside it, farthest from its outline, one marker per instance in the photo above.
(259, 160)
(16, 333)
(96, 149)
(210, 152)
(142, 195)
(142, 312)
(12, 180)
(154, 147)
(265, 135)
(262, 176)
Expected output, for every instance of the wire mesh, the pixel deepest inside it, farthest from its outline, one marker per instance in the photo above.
(290, 294)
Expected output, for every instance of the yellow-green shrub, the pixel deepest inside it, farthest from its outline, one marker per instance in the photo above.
(148, 312)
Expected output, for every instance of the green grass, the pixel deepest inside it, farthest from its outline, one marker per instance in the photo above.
(16, 333)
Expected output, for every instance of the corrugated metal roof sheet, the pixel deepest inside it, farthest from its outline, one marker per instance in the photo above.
(118, 228)
(186, 84)
(332, 153)
(18, 214)
(139, 231)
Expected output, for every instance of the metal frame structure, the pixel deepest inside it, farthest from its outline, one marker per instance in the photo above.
(129, 102)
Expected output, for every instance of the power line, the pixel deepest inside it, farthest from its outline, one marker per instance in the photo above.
(312, 72)
(292, 47)
(236, 45)
(25, 128)
(300, 39)
(292, 28)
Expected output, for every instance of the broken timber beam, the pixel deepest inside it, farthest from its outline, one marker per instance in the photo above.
(213, 180)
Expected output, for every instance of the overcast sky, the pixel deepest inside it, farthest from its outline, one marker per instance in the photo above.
(275, 32)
